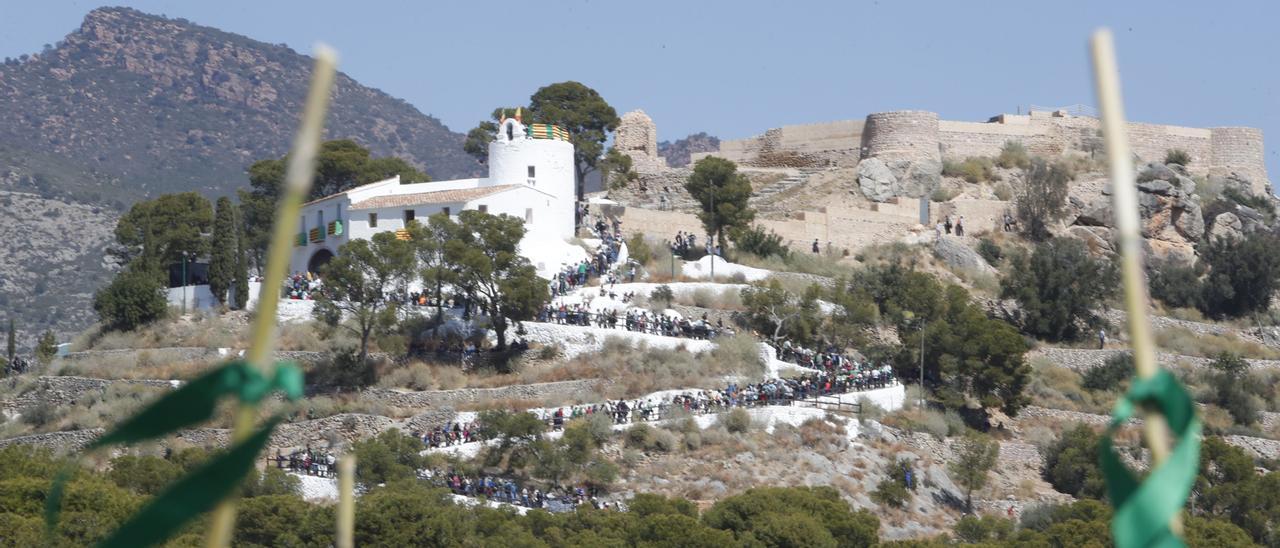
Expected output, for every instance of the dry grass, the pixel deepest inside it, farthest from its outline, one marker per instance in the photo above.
(1180, 340)
(1058, 387)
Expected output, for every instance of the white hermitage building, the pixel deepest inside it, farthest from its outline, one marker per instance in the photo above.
(530, 177)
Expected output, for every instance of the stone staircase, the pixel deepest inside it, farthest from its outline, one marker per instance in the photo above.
(772, 197)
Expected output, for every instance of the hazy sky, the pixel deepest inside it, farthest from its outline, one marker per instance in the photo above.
(735, 69)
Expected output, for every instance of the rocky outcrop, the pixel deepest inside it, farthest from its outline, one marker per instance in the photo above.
(1172, 221)
(1226, 226)
(956, 254)
(876, 180)
(880, 180)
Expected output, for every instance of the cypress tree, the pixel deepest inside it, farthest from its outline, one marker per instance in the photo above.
(242, 265)
(13, 342)
(222, 254)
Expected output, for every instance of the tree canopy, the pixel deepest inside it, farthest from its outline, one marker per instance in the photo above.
(222, 252)
(1059, 287)
(132, 299)
(582, 112)
(155, 233)
(357, 286)
(722, 193)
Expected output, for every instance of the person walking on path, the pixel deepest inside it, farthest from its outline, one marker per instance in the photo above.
(960, 226)
(815, 245)
(947, 224)
(1102, 338)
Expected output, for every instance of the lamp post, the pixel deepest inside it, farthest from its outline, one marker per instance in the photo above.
(911, 318)
(714, 225)
(673, 262)
(184, 282)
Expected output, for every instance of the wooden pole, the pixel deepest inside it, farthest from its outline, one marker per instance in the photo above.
(1124, 190)
(298, 179)
(346, 501)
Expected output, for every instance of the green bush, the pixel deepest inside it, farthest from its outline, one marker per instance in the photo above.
(990, 250)
(390, 456)
(131, 300)
(1175, 283)
(1243, 275)
(1012, 155)
(1043, 197)
(1111, 375)
(662, 295)
(1003, 192)
(1177, 156)
(638, 249)
(1059, 287)
(973, 169)
(943, 195)
(759, 242)
(736, 421)
(983, 529)
(1071, 466)
(639, 436)
(759, 517)
(890, 492)
(1231, 387)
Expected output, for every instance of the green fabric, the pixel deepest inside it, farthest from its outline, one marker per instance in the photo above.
(194, 494)
(1145, 508)
(196, 401)
(193, 403)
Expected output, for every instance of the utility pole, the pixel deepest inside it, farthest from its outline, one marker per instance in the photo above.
(922, 392)
(714, 226)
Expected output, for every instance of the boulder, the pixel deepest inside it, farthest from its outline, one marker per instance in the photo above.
(1188, 219)
(916, 178)
(1096, 238)
(1156, 170)
(1096, 213)
(876, 181)
(1158, 186)
(1226, 225)
(956, 254)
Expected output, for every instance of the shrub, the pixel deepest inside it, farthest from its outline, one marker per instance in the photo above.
(1111, 375)
(638, 249)
(662, 295)
(1003, 192)
(1175, 283)
(990, 250)
(1177, 156)
(943, 194)
(1043, 197)
(390, 456)
(1071, 465)
(1059, 287)
(1012, 155)
(131, 300)
(736, 421)
(890, 492)
(638, 436)
(982, 529)
(663, 441)
(1230, 383)
(1243, 275)
(972, 169)
(759, 242)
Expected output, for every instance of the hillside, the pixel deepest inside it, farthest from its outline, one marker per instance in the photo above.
(132, 105)
(136, 105)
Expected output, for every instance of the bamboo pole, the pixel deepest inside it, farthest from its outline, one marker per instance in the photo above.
(346, 501)
(297, 183)
(1124, 190)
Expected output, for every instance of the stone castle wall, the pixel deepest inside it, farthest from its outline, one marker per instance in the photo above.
(920, 135)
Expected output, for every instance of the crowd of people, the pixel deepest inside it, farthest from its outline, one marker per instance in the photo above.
(575, 275)
(634, 320)
(309, 462)
(301, 285)
(856, 372)
(508, 491)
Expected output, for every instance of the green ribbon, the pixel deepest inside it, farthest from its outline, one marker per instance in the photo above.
(1145, 508)
(193, 403)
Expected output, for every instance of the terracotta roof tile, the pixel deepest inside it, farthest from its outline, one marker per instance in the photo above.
(426, 198)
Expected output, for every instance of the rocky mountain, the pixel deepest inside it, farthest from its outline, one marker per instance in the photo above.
(678, 152)
(131, 105)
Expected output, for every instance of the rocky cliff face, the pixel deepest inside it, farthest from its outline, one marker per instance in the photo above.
(132, 105)
(678, 153)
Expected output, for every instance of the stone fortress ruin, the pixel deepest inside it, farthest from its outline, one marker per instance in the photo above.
(855, 183)
(920, 136)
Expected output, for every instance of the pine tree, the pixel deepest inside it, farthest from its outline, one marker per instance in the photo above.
(222, 254)
(242, 265)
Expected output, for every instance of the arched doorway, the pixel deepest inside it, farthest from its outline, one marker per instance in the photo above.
(318, 260)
